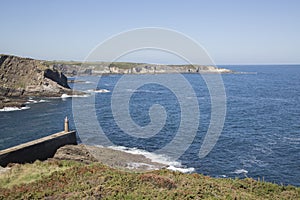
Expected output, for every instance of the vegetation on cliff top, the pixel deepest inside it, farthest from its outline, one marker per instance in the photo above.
(55, 179)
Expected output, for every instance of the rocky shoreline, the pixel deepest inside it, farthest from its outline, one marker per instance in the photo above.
(21, 78)
(110, 157)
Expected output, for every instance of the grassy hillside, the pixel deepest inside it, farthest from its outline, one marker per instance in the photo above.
(73, 180)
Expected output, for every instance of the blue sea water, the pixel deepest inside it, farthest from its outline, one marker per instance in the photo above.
(260, 137)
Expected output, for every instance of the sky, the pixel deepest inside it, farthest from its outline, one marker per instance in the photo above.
(232, 32)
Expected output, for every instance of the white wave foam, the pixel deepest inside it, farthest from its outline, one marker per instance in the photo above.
(97, 91)
(172, 165)
(10, 109)
(240, 171)
(64, 96)
(180, 169)
(31, 101)
(102, 91)
(223, 176)
(135, 165)
(43, 101)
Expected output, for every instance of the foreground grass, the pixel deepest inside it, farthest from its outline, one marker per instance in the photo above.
(73, 180)
(27, 173)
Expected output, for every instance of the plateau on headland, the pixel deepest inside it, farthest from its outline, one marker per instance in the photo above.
(73, 68)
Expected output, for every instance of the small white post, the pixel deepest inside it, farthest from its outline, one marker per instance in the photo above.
(66, 124)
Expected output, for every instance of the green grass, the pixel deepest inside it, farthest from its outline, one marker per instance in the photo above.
(27, 173)
(124, 65)
(73, 180)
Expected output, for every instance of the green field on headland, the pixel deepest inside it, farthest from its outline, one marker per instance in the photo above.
(60, 179)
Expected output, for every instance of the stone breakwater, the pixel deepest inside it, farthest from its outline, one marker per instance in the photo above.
(40, 149)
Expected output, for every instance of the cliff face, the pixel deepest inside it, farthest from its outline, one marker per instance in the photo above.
(24, 77)
(98, 68)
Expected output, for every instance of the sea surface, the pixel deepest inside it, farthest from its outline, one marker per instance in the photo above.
(260, 137)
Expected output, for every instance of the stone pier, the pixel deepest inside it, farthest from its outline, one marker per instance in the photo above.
(40, 149)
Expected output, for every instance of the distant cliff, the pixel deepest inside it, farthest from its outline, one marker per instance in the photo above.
(98, 68)
(25, 77)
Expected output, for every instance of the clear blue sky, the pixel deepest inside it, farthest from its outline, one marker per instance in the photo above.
(233, 32)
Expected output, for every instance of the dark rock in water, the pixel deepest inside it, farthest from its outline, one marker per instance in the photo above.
(24, 77)
(12, 102)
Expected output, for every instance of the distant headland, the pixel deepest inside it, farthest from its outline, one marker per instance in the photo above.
(73, 68)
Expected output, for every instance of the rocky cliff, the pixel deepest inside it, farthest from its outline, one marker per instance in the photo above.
(24, 77)
(98, 68)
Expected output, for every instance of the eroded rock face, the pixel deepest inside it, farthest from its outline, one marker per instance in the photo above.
(23, 77)
(57, 77)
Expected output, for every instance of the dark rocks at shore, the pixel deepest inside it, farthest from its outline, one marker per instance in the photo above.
(12, 102)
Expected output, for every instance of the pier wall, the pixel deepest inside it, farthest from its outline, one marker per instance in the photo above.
(40, 149)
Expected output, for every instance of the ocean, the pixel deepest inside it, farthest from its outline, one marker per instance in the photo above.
(260, 137)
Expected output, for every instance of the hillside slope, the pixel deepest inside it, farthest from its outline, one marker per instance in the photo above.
(55, 179)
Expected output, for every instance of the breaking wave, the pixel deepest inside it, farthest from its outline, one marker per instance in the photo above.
(64, 96)
(240, 171)
(172, 165)
(32, 101)
(10, 109)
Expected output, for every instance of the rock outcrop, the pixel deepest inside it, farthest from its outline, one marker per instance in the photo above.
(24, 77)
(114, 158)
(75, 152)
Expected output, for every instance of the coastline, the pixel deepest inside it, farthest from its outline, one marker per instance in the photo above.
(68, 179)
(122, 158)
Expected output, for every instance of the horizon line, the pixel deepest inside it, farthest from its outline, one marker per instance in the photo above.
(140, 62)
